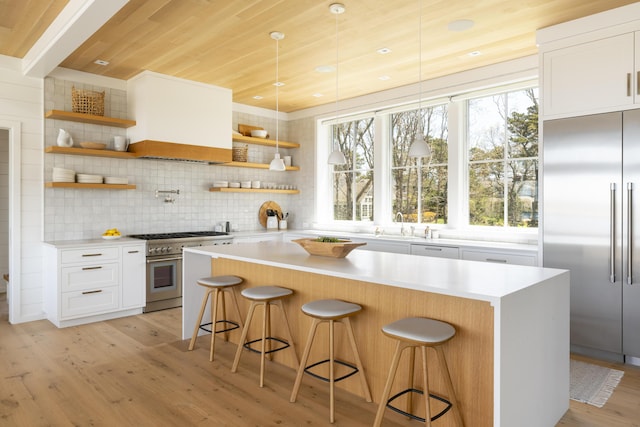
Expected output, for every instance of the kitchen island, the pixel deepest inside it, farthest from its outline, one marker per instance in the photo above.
(509, 360)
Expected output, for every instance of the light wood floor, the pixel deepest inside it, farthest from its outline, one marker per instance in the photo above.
(137, 372)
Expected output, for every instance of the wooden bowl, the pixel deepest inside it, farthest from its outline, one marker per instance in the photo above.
(329, 249)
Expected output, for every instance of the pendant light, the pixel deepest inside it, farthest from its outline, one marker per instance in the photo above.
(419, 147)
(336, 157)
(277, 164)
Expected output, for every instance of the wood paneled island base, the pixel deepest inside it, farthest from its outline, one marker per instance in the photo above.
(471, 351)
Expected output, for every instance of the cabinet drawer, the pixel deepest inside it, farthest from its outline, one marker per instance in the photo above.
(436, 251)
(90, 302)
(89, 255)
(89, 276)
(499, 257)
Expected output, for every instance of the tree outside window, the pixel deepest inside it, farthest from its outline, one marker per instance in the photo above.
(419, 187)
(502, 138)
(353, 182)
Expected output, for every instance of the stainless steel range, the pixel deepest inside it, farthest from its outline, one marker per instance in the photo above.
(164, 263)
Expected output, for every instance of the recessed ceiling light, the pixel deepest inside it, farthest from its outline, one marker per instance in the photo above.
(318, 95)
(257, 97)
(384, 78)
(474, 53)
(384, 51)
(461, 25)
(325, 69)
(278, 84)
(101, 62)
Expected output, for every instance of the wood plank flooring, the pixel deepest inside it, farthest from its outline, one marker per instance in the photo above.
(137, 371)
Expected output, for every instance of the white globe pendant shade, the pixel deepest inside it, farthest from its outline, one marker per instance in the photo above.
(337, 158)
(419, 148)
(277, 164)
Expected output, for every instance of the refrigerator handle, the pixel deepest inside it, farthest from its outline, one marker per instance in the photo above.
(612, 232)
(629, 233)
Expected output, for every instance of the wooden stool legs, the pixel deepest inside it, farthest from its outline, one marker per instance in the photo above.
(400, 347)
(265, 340)
(332, 361)
(216, 299)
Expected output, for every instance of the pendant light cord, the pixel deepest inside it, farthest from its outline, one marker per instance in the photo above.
(277, 90)
(420, 69)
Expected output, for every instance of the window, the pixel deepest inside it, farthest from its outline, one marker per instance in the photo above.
(352, 183)
(483, 170)
(502, 144)
(419, 185)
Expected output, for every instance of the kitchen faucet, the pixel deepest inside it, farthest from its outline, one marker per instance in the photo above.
(401, 222)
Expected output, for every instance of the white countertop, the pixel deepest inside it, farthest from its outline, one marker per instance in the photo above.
(467, 279)
(61, 244)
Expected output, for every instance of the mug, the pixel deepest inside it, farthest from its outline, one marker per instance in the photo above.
(120, 143)
(287, 160)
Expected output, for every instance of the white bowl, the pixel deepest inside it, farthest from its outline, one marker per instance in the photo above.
(259, 133)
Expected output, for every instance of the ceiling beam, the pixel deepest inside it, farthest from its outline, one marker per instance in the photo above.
(72, 27)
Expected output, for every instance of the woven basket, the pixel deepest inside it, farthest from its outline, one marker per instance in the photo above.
(87, 101)
(240, 153)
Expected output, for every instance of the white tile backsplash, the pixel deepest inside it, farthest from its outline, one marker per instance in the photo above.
(82, 214)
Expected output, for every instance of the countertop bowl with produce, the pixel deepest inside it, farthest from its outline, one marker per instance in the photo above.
(328, 246)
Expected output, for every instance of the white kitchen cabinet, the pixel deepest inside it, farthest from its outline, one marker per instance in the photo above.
(436, 251)
(93, 280)
(133, 273)
(383, 246)
(499, 257)
(590, 77)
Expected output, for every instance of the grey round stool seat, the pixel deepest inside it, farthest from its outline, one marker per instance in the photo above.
(265, 296)
(331, 311)
(216, 285)
(414, 332)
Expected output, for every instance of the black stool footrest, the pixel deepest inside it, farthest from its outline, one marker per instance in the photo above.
(415, 417)
(354, 370)
(233, 326)
(247, 345)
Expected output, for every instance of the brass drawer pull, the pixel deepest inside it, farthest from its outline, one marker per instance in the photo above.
(91, 268)
(84, 255)
(92, 292)
(504, 261)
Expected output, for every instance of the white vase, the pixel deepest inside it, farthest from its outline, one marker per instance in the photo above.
(64, 139)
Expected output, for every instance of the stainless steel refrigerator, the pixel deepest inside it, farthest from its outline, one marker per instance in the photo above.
(591, 226)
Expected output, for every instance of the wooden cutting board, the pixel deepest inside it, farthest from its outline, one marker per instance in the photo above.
(246, 129)
(262, 213)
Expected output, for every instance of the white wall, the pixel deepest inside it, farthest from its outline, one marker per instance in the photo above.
(4, 205)
(21, 101)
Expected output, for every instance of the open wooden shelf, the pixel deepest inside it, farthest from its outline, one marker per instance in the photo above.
(89, 118)
(257, 165)
(251, 190)
(89, 152)
(90, 186)
(263, 141)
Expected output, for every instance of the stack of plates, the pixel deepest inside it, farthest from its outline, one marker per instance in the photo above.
(222, 184)
(234, 185)
(245, 184)
(64, 175)
(89, 179)
(116, 180)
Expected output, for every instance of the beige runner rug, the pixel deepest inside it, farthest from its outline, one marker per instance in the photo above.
(592, 384)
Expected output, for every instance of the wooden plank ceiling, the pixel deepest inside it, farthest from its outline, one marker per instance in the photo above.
(227, 43)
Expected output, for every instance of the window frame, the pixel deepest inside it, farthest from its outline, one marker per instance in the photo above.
(458, 195)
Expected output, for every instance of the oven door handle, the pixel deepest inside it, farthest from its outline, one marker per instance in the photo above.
(151, 261)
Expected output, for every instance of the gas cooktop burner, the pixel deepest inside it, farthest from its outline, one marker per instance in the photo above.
(180, 235)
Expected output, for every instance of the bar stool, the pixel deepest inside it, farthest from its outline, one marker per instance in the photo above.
(216, 285)
(413, 332)
(265, 296)
(331, 311)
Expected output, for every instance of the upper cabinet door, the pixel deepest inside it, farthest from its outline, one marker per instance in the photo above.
(592, 77)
